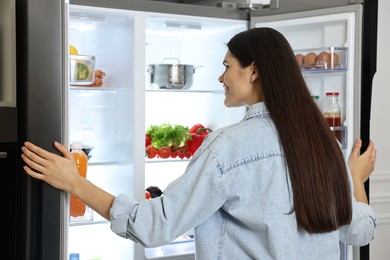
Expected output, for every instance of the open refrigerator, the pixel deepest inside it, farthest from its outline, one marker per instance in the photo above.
(125, 38)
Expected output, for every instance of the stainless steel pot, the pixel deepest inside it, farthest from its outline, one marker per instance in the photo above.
(171, 76)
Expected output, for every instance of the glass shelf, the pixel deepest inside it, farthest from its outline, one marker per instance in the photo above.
(90, 88)
(86, 222)
(185, 90)
(160, 160)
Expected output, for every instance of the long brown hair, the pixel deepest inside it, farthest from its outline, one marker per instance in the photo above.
(317, 169)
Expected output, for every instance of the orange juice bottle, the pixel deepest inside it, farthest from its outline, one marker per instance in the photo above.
(77, 207)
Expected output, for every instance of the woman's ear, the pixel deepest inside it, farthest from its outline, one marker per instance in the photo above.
(255, 74)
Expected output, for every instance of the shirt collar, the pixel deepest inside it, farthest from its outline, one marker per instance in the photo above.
(255, 110)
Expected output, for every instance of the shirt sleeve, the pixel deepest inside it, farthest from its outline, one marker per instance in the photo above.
(362, 227)
(187, 202)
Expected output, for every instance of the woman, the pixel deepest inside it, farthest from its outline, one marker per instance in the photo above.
(273, 186)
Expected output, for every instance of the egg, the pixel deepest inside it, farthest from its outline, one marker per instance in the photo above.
(323, 60)
(299, 58)
(310, 60)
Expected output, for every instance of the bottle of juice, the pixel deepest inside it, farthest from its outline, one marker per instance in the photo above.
(332, 112)
(77, 207)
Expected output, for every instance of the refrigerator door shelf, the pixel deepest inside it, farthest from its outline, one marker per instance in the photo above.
(322, 59)
(342, 132)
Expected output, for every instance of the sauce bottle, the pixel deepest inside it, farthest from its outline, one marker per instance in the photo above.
(77, 207)
(332, 112)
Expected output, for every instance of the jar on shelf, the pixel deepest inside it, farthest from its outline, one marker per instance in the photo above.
(332, 113)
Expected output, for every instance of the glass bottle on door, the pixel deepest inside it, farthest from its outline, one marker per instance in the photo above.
(332, 113)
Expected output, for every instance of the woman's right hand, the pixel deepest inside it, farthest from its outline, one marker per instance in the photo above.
(59, 171)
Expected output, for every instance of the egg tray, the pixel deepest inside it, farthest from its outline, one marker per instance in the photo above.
(320, 59)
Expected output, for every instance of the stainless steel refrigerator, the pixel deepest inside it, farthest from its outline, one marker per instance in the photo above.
(126, 37)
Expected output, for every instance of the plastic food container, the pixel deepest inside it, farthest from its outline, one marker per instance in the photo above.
(82, 69)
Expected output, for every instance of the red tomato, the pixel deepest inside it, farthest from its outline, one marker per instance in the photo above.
(180, 154)
(174, 154)
(187, 154)
(148, 196)
(150, 151)
(164, 152)
(183, 152)
(148, 140)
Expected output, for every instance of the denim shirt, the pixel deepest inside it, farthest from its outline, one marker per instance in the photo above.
(236, 194)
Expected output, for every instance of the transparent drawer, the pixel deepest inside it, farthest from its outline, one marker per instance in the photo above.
(320, 59)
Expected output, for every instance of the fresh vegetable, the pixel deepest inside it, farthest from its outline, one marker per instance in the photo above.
(148, 196)
(164, 152)
(168, 135)
(174, 154)
(148, 140)
(150, 151)
(194, 129)
(203, 131)
(172, 141)
(183, 152)
(197, 139)
(195, 143)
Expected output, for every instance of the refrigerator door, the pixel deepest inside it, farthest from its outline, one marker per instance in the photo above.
(40, 84)
(334, 30)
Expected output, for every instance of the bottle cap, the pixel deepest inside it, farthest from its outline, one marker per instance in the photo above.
(76, 146)
(332, 93)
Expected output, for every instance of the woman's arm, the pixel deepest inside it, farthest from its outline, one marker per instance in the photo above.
(62, 173)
